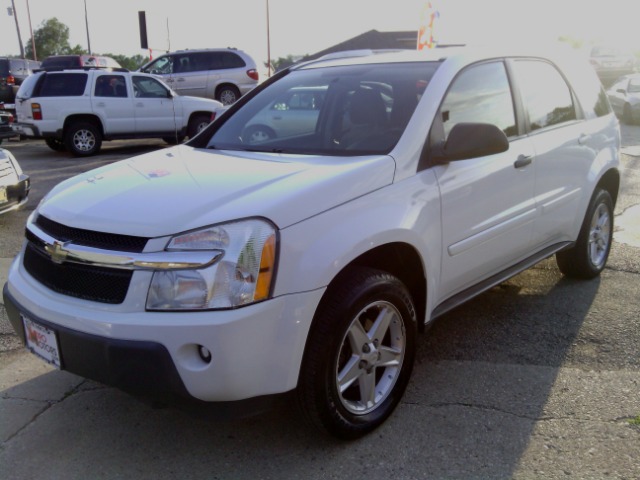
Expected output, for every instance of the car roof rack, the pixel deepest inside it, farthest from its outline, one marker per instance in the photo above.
(86, 68)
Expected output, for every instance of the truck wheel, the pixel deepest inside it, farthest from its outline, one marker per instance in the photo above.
(83, 139)
(55, 144)
(588, 257)
(197, 124)
(359, 355)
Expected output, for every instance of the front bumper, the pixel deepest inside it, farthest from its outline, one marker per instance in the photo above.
(255, 351)
(16, 195)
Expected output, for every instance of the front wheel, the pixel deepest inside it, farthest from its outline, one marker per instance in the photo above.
(588, 257)
(83, 139)
(197, 124)
(359, 355)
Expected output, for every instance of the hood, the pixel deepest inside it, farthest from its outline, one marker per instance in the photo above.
(182, 188)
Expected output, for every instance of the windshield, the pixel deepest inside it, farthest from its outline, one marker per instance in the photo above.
(350, 110)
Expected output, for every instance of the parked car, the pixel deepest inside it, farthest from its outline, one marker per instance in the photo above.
(78, 61)
(294, 113)
(76, 110)
(624, 96)
(611, 62)
(223, 270)
(14, 183)
(13, 71)
(223, 74)
(6, 125)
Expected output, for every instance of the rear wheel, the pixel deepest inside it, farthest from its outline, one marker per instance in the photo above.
(55, 144)
(83, 139)
(627, 116)
(588, 257)
(359, 355)
(227, 94)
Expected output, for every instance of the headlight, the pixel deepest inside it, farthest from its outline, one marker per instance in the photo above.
(242, 276)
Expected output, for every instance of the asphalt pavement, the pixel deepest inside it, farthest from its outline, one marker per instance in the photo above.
(537, 378)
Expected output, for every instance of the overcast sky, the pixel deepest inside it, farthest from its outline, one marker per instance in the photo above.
(299, 27)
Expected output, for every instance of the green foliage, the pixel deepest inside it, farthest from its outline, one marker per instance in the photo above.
(130, 63)
(282, 63)
(51, 38)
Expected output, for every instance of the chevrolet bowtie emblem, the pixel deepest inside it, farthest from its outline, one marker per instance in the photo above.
(57, 251)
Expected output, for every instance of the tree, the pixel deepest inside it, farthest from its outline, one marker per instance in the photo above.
(52, 38)
(130, 63)
(282, 63)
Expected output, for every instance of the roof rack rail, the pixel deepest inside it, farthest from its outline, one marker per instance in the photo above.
(86, 67)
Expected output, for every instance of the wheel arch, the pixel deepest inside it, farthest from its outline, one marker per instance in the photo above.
(83, 118)
(610, 182)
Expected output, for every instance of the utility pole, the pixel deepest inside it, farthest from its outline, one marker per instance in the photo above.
(268, 43)
(33, 40)
(86, 21)
(15, 16)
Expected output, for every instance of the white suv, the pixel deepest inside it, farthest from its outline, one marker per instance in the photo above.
(77, 109)
(236, 267)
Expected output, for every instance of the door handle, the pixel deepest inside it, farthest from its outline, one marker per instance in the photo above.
(523, 161)
(584, 138)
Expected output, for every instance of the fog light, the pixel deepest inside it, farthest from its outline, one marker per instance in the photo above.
(204, 353)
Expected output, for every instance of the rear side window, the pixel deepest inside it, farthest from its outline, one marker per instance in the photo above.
(480, 94)
(63, 85)
(546, 95)
(222, 60)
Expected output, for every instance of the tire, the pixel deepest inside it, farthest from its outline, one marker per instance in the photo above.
(256, 134)
(83, 139)
(627, 116)
(197, 124)
(173, 140)
(588, 257)
(227, 94)
(359, 355)
(55, 144)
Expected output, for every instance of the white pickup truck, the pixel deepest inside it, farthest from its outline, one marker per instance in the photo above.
(76, 110)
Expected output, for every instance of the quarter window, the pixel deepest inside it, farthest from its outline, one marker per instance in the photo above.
(480, 94)
(63, 85)
(546, 96)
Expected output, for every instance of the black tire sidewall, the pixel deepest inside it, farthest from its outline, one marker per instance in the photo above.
(73, 129)
(576, 262)
(338, 313)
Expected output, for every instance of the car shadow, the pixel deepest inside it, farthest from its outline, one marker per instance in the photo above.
(483, 376)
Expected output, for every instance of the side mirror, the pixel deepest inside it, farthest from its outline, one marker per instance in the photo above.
(471, 140)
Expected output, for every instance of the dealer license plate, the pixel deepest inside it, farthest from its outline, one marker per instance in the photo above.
(41, 341)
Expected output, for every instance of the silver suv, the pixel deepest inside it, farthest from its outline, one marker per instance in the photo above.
(224, 74)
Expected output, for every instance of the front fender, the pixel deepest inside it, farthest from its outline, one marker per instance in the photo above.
(315, 251)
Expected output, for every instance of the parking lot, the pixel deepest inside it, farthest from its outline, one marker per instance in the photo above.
(537, 378)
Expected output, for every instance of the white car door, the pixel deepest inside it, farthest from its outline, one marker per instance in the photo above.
(564, 149)
(156, 110)
(111, 100)
(488, 205)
